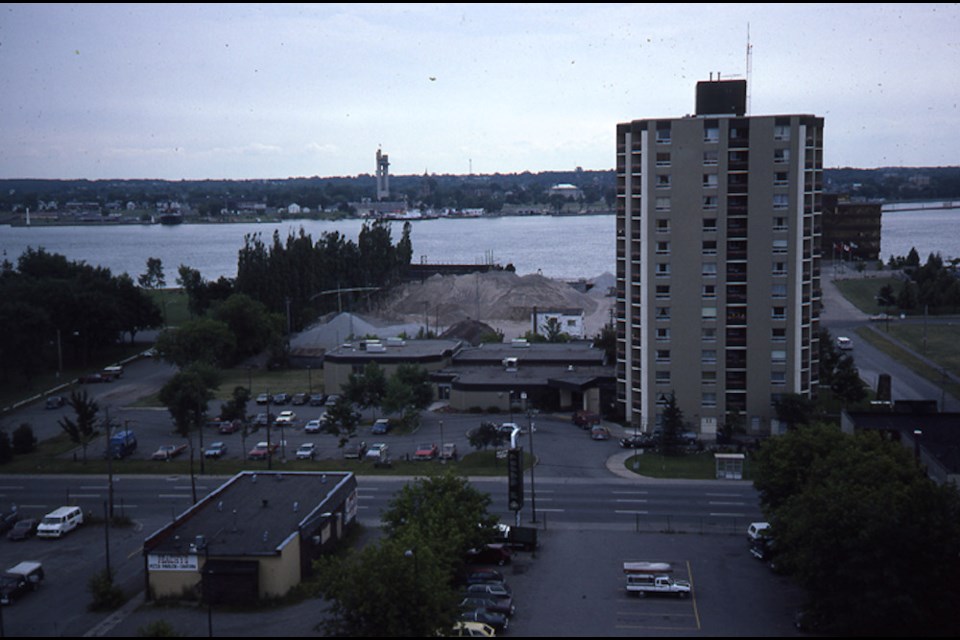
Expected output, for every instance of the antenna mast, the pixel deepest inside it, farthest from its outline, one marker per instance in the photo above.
(749, 67)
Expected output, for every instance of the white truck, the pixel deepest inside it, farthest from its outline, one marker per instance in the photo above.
(651, 577)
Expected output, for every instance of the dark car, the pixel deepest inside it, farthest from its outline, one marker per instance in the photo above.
(497, 554)
(638, 441)
(281, 398)
(498, 621)
(55, 402)
(479, 575)
(23, 529)
(472, 603)
(12, 586)
(317, 400)
(7, 520)
(299, 399)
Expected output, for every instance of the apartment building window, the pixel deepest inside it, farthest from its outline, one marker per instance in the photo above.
(708, 377)
(778, 313)
(709, 269)
(662, 204)
(663, 356)
(778, 378)
(663, 225)
(781, 132)
(708, 356)
(710, 181)
(663, 181)
(780, 246)
(778, 334)
(663, 291)
(709, 225)
(663, 334)
(778, 356)
(709, 291)
(663, 159)
(709, 247)
(779, 268)
(710, 202)
(711, 133)
(708, 334)
(781, 156)
(663, 133)
(711, 158)
(778, 291)
(663, 313)
(663, 247)
(781, 179)
(708, 313)
(780, 223)
(663, 269)
(708, 400)
(662, 377)
(781, 201)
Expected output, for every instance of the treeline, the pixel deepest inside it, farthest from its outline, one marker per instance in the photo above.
(303, 279)
(932, 287)
(55, 311)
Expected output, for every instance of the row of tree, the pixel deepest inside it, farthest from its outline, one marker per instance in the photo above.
(57, 312)
(933, 286)
(404, 584)
(873, 541)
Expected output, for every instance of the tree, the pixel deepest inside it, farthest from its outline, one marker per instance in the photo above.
(6, 449)
(153, 278)
(671, 442)
(366, 389)
(23, 440)
(253, 327)
(875, 543)
(200, 340)
(794, 409)
(83, 430)
(342, 420)
(236, 407)
(846, 383)
(186, 395)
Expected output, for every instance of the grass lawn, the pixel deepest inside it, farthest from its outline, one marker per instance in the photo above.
(693, 466)
(942, 347)
(862, 292)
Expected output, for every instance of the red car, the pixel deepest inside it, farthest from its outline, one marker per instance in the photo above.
(262, 450)
(169, 451)
(426, 452)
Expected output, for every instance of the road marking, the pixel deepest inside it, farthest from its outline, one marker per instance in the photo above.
(725, 495)
(84, 495)
(639, 513)
(175, 496)
(727, 515)
(726, 504)
(644, 500)
(631, 493)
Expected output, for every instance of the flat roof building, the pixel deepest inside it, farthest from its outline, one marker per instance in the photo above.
(718, 261)
(254, 537)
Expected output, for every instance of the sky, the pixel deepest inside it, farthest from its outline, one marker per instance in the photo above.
(250, 91)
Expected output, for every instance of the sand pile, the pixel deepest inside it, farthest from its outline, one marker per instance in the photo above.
(489, 297)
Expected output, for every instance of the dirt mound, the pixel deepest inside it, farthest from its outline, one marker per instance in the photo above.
(489, 297)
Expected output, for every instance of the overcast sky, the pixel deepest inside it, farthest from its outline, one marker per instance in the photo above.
(274, 91)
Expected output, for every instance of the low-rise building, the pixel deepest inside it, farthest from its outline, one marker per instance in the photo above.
(254, 537)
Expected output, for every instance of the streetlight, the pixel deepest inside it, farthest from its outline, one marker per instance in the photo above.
(533, 460)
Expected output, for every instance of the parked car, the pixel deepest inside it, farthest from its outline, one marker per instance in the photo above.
(263, 398)
(55, 402)
(216, 450)
(426, 451)
(23, 529)
(168, 451)
(489, 589)
(483, 574)
(498, 621)
(262, 450)
(599, 432)
(331, 400)
(448, 451)
(317, 400)
(307, 451)
(844, 343)
(638, 441)
(380, 427)
(8, 520)
(313, 426)
(286, 418)
(281, 398)
(230, 426)
(355, 450)
(262, 419)
(472, 603)
(494, 553)
(584, 419)
(473, 629)
(757, 530)
(20, 580)
(298, 399)
(378, 452)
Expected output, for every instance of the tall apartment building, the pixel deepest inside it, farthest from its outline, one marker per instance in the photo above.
(718, 262)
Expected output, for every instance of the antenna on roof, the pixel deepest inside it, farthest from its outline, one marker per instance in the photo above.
(749, 67)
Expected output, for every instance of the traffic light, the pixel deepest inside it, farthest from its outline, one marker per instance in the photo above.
(515, 479)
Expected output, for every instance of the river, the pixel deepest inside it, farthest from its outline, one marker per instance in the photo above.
(566, 247)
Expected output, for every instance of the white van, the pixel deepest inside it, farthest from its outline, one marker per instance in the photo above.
(59, 522)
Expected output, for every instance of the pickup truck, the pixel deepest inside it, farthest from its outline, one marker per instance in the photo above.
(650, 577)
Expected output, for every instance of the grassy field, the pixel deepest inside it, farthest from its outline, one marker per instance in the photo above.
(862, 292)
(941, 346)
(694, 466)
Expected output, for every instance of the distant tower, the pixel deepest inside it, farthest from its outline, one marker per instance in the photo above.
(383, 176)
